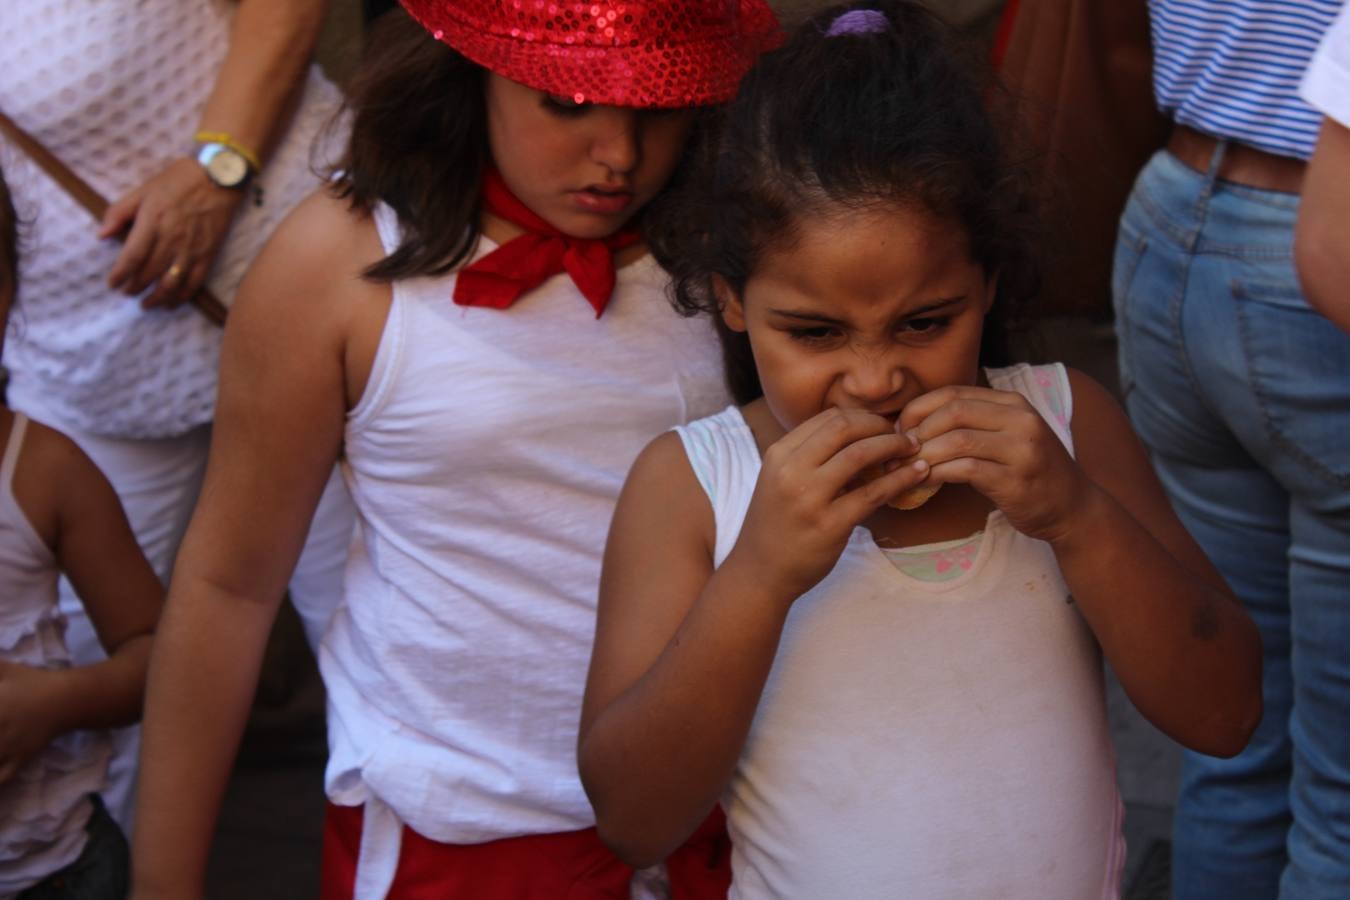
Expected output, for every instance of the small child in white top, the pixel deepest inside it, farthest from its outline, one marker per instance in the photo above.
(888, 702)
(59, 515)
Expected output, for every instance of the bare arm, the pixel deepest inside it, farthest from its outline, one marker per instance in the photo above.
(1186, 653)
(682, 651)
(178, 217)
(271, 42)
(96, 549)
(681, 655)
(1322, 238)
(278, 433)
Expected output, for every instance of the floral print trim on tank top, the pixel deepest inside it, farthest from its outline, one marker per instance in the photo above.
(947, 560)
(942, 561)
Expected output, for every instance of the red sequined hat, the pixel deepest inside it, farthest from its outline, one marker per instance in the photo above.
(646, 53)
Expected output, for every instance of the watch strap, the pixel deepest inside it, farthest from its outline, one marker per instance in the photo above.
(224, 138)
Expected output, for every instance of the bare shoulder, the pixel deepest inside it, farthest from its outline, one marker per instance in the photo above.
(50, 455)
(314, 259)
(664, 456)
(325, 220)
(662, 483)
(51, 475)
(662, 510)
(1098, 423)
(658, 557)
(321, 219)
(306, 295)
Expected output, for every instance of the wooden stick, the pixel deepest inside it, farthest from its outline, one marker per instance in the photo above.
(91, 201)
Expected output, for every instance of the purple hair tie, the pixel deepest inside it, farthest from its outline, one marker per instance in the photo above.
(859, 21)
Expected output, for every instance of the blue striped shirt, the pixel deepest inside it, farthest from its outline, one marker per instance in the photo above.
(1231, 68)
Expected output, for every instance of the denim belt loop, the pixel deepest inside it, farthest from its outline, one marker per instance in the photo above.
(1206, 192)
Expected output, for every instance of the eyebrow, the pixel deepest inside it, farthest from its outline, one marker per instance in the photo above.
(807, 316)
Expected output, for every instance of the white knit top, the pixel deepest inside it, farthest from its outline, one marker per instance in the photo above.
(45, 806)
(928, 740)
(115, 89)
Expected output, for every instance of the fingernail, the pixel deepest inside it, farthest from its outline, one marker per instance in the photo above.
(920, 465)
(913, 438)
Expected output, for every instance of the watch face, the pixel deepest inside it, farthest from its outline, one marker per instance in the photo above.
(224, 166)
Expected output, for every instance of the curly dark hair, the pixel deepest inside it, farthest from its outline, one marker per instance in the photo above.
(905, 114)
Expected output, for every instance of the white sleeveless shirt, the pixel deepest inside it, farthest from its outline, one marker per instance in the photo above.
(44, 808)
(923, 739)
(484, 461)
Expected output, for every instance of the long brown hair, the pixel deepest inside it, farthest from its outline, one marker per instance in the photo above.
(418, 143)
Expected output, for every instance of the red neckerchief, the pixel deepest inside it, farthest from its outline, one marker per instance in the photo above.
(523, 263)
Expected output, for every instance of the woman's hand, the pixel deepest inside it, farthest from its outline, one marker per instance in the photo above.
(996, 442)
(807, 500)
(178, 220)
(25, 727)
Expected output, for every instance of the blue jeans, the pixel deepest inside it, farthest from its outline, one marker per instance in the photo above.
(1242, 395)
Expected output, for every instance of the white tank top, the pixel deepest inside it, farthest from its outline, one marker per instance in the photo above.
(923, 739)
(484, 461)
(45, 806)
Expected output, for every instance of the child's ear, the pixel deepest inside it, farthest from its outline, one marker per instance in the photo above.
(733, 313)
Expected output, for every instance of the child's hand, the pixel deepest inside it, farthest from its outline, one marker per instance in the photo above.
(996, 442)
(807, 502)
(24, 726)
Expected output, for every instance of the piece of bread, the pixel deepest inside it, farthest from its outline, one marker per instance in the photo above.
(913, 498)
(916, 496)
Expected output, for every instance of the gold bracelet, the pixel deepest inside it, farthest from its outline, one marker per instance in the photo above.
(221, 137)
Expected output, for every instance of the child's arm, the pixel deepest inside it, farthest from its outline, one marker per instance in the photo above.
(682, 650)
(78, 513)
(277, 435)
(1185, 651)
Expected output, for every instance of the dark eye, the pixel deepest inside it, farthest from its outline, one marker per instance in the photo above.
(927, 324)
(567, 107)
(818, 334)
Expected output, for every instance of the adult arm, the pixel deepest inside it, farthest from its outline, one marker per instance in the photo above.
(178, 217)
(278, 431)
(1322, 237)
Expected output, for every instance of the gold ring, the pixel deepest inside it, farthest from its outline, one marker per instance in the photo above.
(174, 273)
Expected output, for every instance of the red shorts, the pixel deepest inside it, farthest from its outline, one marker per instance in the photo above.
(572, 865)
